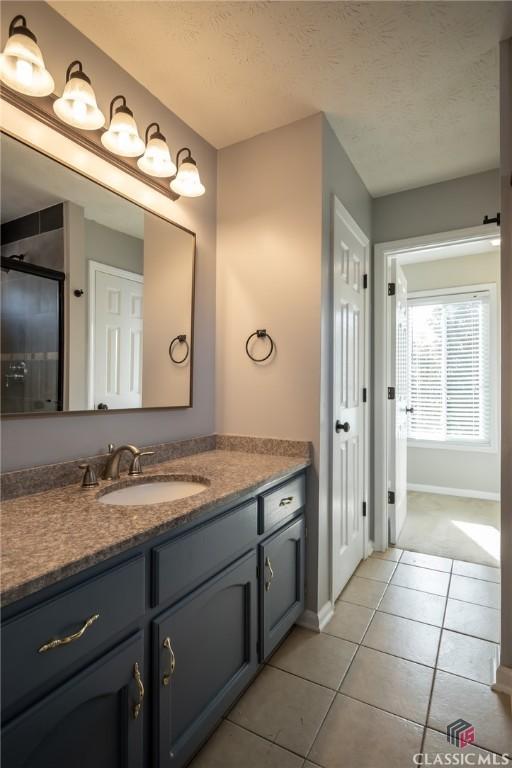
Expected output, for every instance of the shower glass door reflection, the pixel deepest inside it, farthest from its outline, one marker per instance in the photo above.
(31, 338)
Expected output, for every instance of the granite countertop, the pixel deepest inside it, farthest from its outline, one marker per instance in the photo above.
(51, 535)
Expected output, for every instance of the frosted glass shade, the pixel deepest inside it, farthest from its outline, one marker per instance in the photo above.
(156, 160)
(187, 182)
(77, 106)
(22, 67)
(122, 137)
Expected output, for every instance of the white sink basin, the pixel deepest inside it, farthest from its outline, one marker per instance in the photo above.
(152, 492)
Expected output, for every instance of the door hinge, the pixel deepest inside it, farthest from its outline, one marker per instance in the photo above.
(495, 220)
(257, 571)
(391, 393)
(365, 281)
(391, 497)
(365, 394)
(364, 508)
(391, 289)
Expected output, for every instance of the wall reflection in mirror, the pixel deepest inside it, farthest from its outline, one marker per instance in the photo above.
(94, 289)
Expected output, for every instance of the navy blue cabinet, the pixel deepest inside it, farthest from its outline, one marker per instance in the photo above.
(282, 562)
(205, 655)
(134, 662)
(94, 720)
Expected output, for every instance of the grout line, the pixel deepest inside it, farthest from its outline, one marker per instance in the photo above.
(429, 706)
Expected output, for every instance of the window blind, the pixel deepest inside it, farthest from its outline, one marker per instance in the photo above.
(449, 351)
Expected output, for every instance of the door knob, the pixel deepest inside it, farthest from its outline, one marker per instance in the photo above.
(342, 427)
(409, 410)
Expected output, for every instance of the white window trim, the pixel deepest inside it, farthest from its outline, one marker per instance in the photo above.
(494, 348)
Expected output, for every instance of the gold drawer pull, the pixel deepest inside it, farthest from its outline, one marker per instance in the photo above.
(268, 583)
(70, 638)
(287, 500)
(172, 661)
(140, 686)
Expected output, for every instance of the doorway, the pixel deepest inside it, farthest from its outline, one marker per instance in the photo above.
(437, 395)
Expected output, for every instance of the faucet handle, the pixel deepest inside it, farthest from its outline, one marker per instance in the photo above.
(89, 479)
(136, 466)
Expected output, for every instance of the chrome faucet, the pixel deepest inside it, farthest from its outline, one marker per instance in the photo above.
(111, 471)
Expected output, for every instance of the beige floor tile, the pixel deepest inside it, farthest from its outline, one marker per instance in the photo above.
(475, 591)
(390, 554)
(349, 622)
(468, 656)
(475, 571)
(284, 709)
(488, 712)
(355, 735)
(471, 619)
(395, 685)
(436, 744)
(422, 579)
(318, 657)
(233, 747)
(427, 561)
(412, 604)
(379, 570)
(363, 592)
(402, 637)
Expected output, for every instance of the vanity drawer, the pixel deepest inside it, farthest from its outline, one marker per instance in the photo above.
(188, 560)
(277, 505)
(90, 614)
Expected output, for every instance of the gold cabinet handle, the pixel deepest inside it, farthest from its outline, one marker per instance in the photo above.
(140, 687)
(268, 565)
(172, 661)
(70, 638)
(287, 500)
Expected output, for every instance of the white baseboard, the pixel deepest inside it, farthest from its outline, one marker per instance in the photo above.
(317, 621)
(503, 682)
(487, 495)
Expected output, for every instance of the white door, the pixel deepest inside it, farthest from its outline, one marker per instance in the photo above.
(116, 335)
(399, 406)
(348, 470)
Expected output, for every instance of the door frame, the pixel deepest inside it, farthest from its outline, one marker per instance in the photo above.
(338, 208)
(384, 253)
(94, 268)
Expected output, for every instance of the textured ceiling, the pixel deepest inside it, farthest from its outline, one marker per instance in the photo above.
(410, 88)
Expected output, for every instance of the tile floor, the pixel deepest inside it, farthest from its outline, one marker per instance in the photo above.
(412, 646)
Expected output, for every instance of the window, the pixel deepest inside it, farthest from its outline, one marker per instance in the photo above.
(449, 357)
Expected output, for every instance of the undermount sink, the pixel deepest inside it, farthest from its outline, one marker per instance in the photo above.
(153, 491)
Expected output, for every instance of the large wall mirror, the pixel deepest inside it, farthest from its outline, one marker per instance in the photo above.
(97, 294)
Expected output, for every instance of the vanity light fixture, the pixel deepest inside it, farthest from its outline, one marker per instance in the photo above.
(21, 63)
(156, 160)
(77, 105)
(187, 182)
(122, 137)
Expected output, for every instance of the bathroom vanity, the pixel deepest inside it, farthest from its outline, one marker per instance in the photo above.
(145, 633)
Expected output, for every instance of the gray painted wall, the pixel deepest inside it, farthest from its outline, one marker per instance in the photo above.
(30, 441)
(439, 207)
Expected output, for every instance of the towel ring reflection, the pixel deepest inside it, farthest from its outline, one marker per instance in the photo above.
(260, 334)
(180, 339)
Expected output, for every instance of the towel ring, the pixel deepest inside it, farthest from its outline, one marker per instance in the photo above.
(260, 334)
(180, 339)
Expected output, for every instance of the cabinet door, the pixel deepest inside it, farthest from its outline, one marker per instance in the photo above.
(205, 651)
(94, 720)
(282, 583)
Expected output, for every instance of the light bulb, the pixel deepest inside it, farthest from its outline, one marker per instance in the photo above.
(122, 137)
(77, 105)
(21, 63)
(496, 241)
(187, 182)
(156, 160)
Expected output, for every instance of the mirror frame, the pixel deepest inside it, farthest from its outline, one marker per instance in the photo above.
(23, 123)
